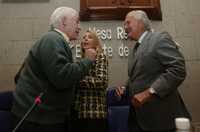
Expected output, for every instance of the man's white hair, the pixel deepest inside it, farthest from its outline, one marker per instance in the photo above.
(59, 13)
(141, 16)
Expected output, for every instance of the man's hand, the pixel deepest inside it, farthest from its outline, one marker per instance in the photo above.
(119, 91)
(139, 99)
(91, 54)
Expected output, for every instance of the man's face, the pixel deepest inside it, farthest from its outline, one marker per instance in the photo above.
(72, 27)
(131, 26)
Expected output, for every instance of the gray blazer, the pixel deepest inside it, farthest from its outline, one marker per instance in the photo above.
(159, 64)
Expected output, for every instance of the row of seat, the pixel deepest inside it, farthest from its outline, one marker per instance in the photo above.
(117, 112)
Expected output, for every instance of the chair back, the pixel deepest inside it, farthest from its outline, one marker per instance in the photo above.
(118, 110)
(6, 99)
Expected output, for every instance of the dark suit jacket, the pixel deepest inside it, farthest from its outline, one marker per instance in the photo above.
(49, 68)
(159, 64)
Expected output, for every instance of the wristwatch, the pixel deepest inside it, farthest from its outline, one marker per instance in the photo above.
(152, 91)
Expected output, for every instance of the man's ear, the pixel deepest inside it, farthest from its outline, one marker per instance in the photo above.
(141, 25)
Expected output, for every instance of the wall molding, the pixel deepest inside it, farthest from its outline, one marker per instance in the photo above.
(24, 1)
(117, 9)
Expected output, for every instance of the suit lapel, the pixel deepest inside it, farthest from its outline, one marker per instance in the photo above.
(65, 45)
(133, 57)
(132, 61)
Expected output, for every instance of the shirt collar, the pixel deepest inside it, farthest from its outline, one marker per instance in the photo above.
(65, 37)
(142, 36)
(63, 34)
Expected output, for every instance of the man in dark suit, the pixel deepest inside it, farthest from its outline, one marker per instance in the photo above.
(156, 68)
(49, 69)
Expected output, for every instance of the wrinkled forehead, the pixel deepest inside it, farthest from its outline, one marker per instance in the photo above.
(129, 17)
(127, 20)
(73, 18)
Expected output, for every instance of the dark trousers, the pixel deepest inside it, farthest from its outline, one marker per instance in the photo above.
(35, 127)
(87, 125)
(134, 126)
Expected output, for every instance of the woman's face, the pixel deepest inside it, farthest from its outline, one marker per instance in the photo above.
(88, 41)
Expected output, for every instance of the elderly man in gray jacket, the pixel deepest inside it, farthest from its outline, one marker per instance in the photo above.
(156, 68)
(49, 69)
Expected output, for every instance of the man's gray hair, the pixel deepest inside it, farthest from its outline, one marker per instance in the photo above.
(59, 13)
(142, 16)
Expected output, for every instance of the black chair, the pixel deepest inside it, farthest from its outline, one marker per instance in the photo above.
(6, 99)
(117, 112)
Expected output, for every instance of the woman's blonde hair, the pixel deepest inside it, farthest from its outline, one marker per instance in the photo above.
(96, 42)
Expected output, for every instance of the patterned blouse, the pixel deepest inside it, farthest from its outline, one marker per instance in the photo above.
(90, 101)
